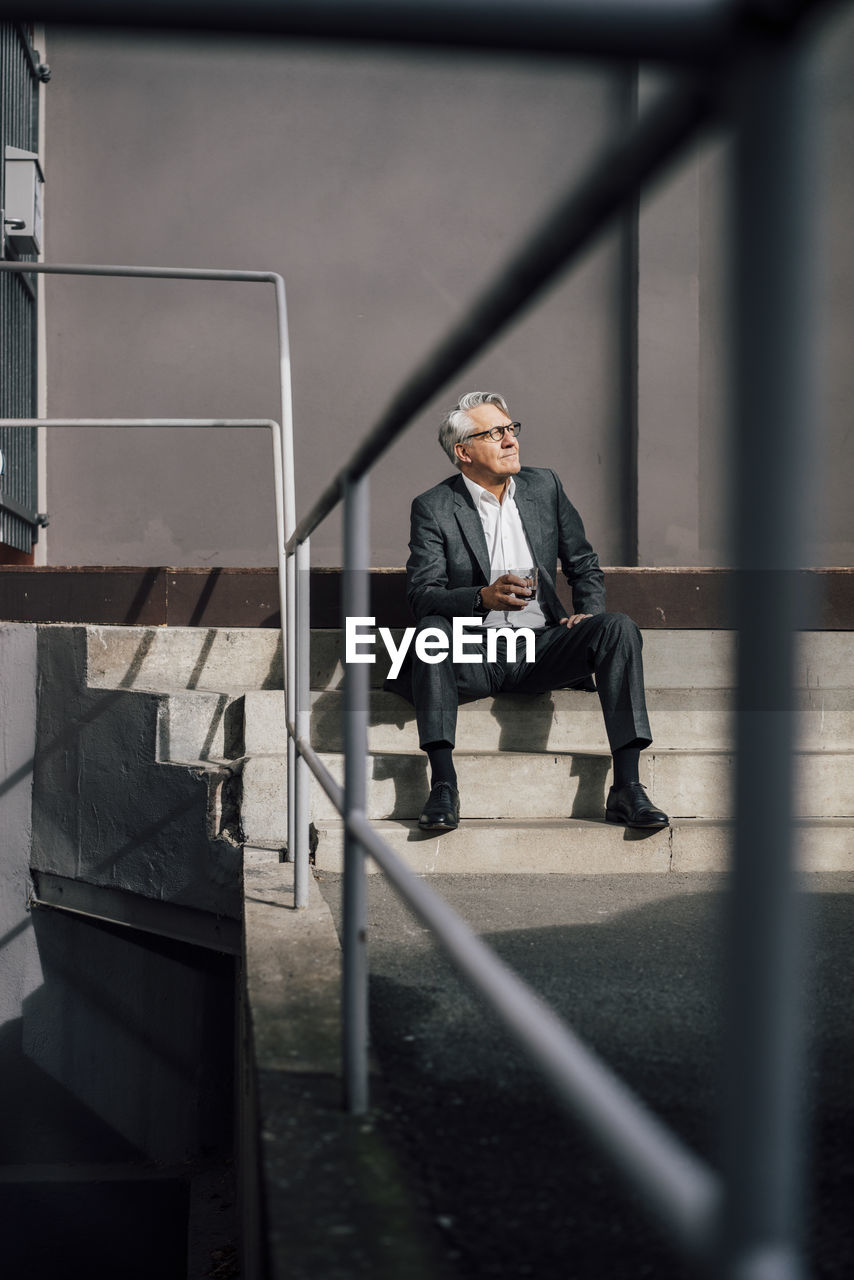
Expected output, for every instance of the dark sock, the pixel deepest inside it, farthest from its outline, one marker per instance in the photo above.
(441, 757)
(626, 761)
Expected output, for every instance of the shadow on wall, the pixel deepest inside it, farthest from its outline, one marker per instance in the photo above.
(139, 1028)
(117, 1082)
(76, 1198)
(118, 1074)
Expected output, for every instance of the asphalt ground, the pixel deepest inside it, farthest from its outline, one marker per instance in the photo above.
(508, 1187)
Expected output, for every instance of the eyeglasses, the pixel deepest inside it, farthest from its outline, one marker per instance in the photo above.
(495, 433)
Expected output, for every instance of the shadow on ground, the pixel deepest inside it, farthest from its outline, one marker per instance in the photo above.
(633, 963)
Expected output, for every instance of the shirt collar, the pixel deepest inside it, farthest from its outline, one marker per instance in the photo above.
(479, 494)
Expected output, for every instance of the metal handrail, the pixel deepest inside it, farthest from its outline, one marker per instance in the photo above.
(284, 474)
(664, 30)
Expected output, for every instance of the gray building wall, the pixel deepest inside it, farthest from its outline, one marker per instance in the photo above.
(386, 187)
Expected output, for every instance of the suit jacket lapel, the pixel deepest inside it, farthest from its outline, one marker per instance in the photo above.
(471, 527)
(529, 514)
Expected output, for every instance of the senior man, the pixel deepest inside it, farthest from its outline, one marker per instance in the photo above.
(468, 534)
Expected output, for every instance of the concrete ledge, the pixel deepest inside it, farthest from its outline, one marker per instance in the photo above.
(577, 847)
(334, 1203)
(131, 910)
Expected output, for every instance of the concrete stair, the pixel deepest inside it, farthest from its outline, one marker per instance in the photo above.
(696, 784)
(533, 772)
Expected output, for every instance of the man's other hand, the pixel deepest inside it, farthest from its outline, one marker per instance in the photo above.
(508, 593)
(576, 618)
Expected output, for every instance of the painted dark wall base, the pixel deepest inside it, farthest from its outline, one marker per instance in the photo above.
(690, 599)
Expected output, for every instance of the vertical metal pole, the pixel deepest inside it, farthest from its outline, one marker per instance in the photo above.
(290, 713)
(285, 566)
(355, 603)
(775, 407)
(627, 338)
(289, 498)
(289, 641)
(302, 723)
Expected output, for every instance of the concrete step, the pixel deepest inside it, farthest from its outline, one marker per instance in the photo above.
(161, 659)
(579, 847)
(195, 726)
(234, 659)
(534, 771)
(520, 786)
(565, 720)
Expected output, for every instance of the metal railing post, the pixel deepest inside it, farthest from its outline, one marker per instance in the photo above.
(289, 642)
(774, 333)
(283, 456)
(285, 569)
(288, 604)
(302, 722)
(355, 603)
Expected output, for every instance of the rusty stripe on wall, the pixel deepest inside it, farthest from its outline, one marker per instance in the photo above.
(692, 599)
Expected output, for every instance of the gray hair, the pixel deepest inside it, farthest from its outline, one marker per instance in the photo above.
(457, 424)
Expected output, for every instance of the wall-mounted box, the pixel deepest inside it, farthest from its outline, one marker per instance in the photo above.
(22, 214)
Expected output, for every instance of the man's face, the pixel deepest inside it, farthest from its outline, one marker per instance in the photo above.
(489, 462)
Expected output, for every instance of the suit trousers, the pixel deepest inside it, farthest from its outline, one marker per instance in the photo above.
(606, 645)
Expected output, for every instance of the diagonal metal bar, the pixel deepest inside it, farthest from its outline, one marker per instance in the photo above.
(332, 788)
(660, 28)
(683, 1193)
(687, 30)
(675, 1184)
(579, 216)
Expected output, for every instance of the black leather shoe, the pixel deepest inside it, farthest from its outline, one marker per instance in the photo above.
(631, 806)
(442, 810)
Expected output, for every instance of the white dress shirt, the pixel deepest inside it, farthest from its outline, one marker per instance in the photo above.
(508, 550)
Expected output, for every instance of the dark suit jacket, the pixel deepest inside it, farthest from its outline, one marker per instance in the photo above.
(449, 561)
